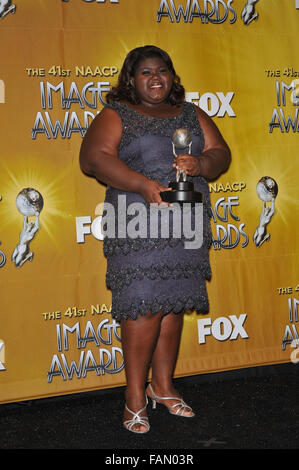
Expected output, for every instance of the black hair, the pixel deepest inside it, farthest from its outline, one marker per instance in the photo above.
(124, 90)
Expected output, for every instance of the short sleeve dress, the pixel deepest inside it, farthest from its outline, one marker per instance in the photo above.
(149, 268)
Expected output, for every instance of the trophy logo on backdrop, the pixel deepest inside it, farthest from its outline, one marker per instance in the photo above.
(29, 203)
(2, 91)
(267, 190)
(248, 13)
(2, 355)
(6, 6)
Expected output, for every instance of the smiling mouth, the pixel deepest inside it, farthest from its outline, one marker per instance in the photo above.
(156, 86)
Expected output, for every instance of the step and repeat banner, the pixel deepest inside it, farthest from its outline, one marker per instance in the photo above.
(238, 61)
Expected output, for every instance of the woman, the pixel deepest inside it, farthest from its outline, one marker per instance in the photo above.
(153, 280)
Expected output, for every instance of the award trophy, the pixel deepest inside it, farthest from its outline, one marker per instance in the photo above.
(29, 203)
(267, 190)
(182, 191)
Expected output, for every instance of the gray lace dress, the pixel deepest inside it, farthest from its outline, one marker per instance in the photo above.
(154, 271)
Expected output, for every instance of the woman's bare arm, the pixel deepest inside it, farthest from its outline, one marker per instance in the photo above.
(215, 157)
(99, 158)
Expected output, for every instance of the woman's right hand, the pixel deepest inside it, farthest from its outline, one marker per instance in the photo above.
(150, 191)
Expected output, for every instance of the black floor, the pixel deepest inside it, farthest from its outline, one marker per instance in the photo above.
(253, 409)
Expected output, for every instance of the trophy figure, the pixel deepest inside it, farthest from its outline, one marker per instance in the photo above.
(6, 7)
(248, 13)
(29, 203)
(267, 190)
(182, 191)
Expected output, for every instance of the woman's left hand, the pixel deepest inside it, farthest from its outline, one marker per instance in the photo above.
(189, 163)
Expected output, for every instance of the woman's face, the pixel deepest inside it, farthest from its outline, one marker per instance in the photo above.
(153, 81)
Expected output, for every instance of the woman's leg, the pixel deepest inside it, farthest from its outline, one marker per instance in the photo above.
(139, 339)
(165, 357)
(166, 352)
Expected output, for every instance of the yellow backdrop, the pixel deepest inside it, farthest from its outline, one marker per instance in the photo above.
(238, 61)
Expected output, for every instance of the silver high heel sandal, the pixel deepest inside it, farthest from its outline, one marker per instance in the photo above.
(180, 406)
(143, 420)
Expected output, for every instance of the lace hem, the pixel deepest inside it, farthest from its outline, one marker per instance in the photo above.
(198, 303)
(121, 277)
(124, 246)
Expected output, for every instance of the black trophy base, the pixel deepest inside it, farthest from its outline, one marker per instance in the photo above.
(182, 191)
